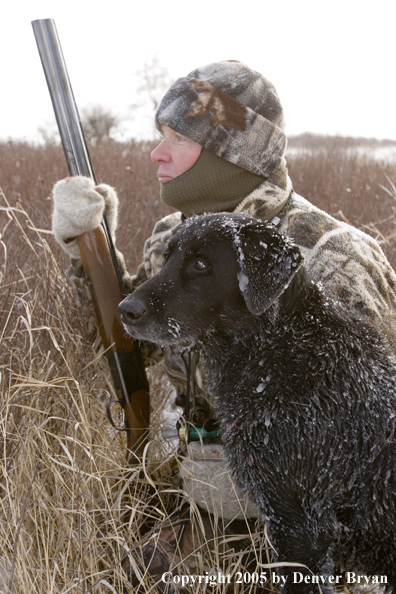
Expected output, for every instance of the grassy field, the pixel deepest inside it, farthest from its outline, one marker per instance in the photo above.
(350, 185)
(71, 509)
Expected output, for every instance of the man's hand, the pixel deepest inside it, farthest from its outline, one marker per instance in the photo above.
(79, 206)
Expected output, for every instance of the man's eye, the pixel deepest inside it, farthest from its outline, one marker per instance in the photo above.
(166, 254)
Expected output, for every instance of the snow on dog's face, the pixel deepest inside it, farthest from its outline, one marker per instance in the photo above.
(221, 271)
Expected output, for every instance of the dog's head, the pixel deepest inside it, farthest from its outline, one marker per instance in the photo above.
(221, 271)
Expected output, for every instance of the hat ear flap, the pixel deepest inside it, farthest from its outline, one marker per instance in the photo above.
(268, 262)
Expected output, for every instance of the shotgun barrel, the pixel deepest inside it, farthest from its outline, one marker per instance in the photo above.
(97, 250)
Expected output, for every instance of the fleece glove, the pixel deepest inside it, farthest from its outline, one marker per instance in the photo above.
(79, 206)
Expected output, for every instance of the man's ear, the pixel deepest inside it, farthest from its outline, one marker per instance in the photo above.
(268, 262)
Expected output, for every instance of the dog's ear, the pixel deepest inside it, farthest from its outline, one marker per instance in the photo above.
(268, 262)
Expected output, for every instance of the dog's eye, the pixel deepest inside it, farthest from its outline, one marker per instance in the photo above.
(196, 263)
(200, 265)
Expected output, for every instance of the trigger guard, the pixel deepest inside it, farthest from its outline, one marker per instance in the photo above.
(110, 418)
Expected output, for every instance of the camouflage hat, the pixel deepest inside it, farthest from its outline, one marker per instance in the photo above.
(231, 111)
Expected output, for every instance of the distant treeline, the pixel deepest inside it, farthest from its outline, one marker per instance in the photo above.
(313, 141)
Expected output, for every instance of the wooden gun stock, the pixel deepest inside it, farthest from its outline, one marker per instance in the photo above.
(97, 249)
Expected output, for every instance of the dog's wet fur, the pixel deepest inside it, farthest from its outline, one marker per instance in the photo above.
(306, 394)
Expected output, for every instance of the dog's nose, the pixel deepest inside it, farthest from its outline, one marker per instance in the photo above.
(131, 310)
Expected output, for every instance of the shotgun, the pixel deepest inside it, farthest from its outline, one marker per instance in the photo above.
(98, 254)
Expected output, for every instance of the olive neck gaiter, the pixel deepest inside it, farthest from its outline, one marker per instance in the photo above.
(212, 184)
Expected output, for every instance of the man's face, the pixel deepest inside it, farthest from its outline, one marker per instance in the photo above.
(175, 154)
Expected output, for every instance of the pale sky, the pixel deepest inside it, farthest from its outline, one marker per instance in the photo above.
(332, 63)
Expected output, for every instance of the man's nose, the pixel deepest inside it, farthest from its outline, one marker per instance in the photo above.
(161, 153)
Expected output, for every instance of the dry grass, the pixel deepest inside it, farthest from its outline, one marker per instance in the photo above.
(353, 187)
(70, 508)
(28, 174)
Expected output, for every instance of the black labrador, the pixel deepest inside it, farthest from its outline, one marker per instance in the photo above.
(306, 394)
